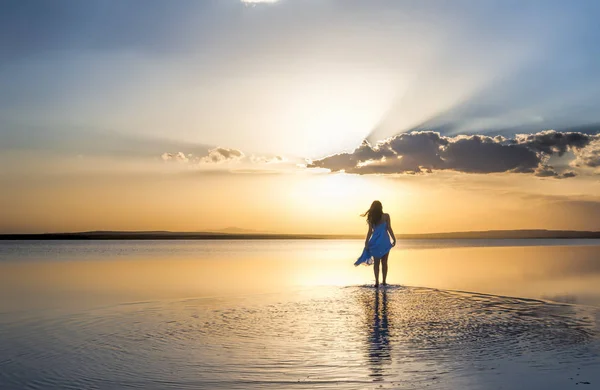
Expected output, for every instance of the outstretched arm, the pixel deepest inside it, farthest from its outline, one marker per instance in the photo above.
(368, 235)
(391, 231)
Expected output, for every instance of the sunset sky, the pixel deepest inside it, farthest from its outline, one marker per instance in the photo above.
(291, 116)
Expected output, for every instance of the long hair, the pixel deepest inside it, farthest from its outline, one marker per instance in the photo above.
(374, 213)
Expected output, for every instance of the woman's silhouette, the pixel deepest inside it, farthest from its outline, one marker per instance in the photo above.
(377, 243)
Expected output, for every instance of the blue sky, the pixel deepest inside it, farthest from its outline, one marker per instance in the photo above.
(232, 74)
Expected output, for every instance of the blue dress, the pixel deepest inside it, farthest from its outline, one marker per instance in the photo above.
(379, 244)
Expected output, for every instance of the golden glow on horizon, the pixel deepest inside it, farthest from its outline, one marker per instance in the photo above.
(333, 190)
(300, 201)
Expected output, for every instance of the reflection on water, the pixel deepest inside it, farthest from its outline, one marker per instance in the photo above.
(88, 274)
(378, 331)
(331, 337)
(297, 314)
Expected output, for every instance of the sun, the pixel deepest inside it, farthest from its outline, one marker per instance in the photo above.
(329, 191)
(341, 196)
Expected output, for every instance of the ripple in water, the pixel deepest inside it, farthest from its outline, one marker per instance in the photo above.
(353, 337)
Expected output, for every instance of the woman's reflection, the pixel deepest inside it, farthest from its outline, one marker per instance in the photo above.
(379, 336)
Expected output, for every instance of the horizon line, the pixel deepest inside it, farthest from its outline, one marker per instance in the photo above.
(166, 234)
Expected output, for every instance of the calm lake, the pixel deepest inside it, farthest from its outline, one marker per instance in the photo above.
(297, 314)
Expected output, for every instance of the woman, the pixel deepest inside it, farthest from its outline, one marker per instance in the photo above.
(377, 243)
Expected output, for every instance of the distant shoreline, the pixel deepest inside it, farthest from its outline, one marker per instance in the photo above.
(165, 235)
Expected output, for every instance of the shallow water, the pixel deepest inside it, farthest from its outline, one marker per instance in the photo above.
(83, 274)
(330, 337)
(245, 315)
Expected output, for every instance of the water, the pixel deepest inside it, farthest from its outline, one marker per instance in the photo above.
(296, 314)
(61, 250)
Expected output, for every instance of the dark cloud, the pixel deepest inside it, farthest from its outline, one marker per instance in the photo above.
(548, 171)
(481, 154)
(427, 151)
(343, 161)
(590, 155)
(554, 142)
(418, 150)
(545, 171)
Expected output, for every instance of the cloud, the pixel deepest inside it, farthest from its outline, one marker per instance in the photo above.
(266, 160)
(179, 156)
(548, 171)
(428, 151)
(221, 155)
(590, 155)
(482, 154)
(554, 142)
(218, 155)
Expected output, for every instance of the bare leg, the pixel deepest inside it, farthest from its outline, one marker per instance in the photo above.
(376, 270)
(384, 263)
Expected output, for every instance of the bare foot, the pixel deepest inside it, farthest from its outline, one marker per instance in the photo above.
(376, 285)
